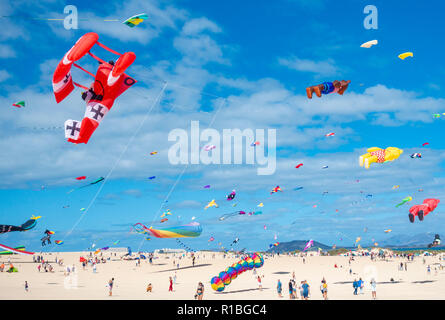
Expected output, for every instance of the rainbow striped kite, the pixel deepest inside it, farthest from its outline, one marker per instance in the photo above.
(192, 229)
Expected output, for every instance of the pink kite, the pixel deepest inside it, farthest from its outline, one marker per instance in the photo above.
(308, 245)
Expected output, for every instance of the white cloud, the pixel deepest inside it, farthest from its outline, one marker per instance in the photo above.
(6, 51)
(4, 75)
(325, 68)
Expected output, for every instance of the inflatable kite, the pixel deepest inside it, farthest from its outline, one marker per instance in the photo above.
(405, 55)
(193, 229)
(405, 200)
(369, 44)
(328, 87)
(47, 238)
(421, 210)
(28, 225)
(435, 243)
(135, 20)
(211, 204)
(274, 244)
(224, 278)
(20, 104)
(58, 242)
(378, 155)
(109, 83)
(18, 250)
(231, 196)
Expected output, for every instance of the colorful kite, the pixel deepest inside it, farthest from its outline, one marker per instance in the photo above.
(308, 245)
(328, 87)
(378, 155)
(405, 200)
(28, 225)
(224, 278)
(276, 189)
(274, 244)
(330, 134)
(135, 20)
(211, 204)
(324, 167)
(58, 242)
(81, 178)
(153, 153)
(416, 155)
(209, 147)
(231, 196)
(231, 214)
(20, 104)
(387, 230)
(260, 205)
(298, 165)
(395, 187)
(254, 144)
(425, 144)
(109, 83)
(192, 229)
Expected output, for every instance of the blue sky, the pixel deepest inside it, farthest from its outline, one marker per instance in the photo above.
(255, 59)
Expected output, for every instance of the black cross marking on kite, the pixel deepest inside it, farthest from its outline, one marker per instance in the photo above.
(73, 128)
(97, 112)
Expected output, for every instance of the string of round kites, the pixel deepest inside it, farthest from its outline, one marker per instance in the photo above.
(254, 260)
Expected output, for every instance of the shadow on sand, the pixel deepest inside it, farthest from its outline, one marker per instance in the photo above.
(183, 268)
(238, 291)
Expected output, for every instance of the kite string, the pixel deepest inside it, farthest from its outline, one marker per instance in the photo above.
(118, 159)
(182, 172)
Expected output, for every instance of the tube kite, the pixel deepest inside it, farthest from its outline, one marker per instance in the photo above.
(28, 225)
(378, 155)
(20, 104)
(192, 229)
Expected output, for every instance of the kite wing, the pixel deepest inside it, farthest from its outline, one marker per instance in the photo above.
(28, 225)
(369, 44)
(405, 55)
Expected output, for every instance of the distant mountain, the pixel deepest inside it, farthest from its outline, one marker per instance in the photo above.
(420, 240)
(297, 245)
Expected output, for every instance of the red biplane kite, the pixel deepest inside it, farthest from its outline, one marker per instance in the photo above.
(109, 83)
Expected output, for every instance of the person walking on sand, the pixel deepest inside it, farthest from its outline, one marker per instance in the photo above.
(361, 285)
(149, 288)
(110, 286)
(373, 288)
(26, 286)
(279, 289)
(170, 288)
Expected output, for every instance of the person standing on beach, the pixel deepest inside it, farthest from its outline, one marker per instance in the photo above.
(200, 291)
(110, 286)
(306, 290)
(279, 288)
(291, 290)
(260, 286)
(373, 288)
(361, 285)
(170, 288)
(355, 286)
(26, 286)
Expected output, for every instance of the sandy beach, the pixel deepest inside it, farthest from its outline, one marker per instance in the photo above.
(131, 280)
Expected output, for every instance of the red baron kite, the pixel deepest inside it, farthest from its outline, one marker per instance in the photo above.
(109, 83)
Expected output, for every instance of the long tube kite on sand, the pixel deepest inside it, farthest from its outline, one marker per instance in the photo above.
(190, 230)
